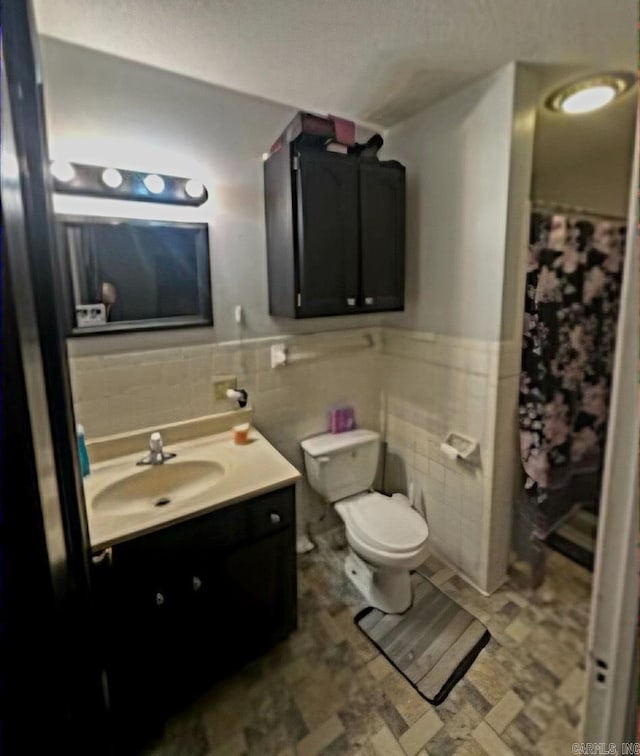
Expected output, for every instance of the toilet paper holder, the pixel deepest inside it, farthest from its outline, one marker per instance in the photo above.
(458, 446)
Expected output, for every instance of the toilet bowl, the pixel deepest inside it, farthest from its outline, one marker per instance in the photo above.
(387, 538)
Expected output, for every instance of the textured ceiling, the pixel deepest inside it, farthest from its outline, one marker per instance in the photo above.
(377, 61)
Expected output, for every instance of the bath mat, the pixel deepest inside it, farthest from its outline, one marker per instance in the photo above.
(432, 644)
(576, 537)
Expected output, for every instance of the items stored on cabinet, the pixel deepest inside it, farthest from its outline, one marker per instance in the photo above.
(335, 218)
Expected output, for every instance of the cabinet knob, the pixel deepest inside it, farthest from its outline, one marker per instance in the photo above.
(369, 300)
(275, 518)
(196, 583)
(159, 599)
(351, 301)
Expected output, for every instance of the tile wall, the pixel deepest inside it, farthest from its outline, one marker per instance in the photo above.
(412, 386)
(435, 384)
(507, 477)
(121, 392)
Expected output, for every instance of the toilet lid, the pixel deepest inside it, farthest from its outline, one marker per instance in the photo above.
(386, 523)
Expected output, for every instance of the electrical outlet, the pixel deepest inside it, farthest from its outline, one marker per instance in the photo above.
(221, 385)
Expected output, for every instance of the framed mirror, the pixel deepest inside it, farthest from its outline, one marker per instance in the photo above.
(124, 274)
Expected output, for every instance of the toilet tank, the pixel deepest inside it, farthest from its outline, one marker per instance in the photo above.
(341, 464)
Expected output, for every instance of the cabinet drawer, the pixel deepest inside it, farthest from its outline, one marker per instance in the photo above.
(160, 552)
(271, 513)
(220, 529)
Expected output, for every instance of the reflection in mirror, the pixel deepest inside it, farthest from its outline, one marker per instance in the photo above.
(124, 274)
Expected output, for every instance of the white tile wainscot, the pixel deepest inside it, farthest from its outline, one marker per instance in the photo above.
(433, 384)
(412, 386)
(121, 392)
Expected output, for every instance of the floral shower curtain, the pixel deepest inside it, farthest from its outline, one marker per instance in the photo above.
(571, 307)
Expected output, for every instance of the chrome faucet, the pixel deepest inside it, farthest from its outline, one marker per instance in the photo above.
(156, 454)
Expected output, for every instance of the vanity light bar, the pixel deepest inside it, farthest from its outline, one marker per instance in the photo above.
(117, 183)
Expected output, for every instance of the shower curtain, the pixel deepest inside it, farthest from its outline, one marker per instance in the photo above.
(574, 271)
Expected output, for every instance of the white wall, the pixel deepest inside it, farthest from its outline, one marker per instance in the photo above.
(442, 364)
(468, 161)
(108, 111)
(457, 158)
(104, 110)
(585, 161)
(507, 479)
(582, 161)
(433, 384)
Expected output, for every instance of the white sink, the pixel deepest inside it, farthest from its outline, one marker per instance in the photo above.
(166, 486)
(209, 471)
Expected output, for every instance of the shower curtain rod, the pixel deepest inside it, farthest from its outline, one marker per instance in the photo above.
(558, 207)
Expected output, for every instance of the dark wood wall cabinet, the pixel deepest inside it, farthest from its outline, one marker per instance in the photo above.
(187, 604)
(335, 232)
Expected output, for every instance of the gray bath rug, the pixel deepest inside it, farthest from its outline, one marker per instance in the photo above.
(432, 644)
(576, 537)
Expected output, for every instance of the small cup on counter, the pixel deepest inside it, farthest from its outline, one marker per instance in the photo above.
(241, 433)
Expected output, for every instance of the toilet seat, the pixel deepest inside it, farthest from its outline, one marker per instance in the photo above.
(384, 524)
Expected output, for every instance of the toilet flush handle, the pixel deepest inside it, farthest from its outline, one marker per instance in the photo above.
(323, 460)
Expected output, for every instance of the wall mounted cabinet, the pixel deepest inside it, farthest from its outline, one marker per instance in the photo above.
(335, 233)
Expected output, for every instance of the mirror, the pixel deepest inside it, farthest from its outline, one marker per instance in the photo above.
(126, 274)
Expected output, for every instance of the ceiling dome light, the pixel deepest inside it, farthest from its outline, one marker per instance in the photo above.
(588, 99)
(154, 183)
(588, 94)
(63, 171)
(194, 188)
(112, 177)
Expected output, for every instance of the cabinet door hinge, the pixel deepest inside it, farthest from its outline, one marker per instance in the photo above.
(299, 299)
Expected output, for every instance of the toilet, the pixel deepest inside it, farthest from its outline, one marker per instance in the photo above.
(387, 537)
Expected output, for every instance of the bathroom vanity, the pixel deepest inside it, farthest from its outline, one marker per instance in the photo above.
(186, 596)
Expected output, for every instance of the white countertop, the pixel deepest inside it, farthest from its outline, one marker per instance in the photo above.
(250, 470)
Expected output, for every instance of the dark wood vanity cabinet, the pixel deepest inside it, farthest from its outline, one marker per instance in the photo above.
(335, 233)
(184, 605)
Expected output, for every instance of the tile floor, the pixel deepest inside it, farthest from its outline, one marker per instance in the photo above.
(327, 690)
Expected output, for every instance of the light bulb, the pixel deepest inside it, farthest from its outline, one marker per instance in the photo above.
(590, 93)
(194, 188)
(154, 183)
(112, 177)
(591, 98)
(63, 171)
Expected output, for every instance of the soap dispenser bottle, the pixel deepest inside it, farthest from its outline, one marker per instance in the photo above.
(82, 451)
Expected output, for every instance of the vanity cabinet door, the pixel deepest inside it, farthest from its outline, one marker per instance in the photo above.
(260, 601)
(244, 598)
(140, 606)
(206, 619)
